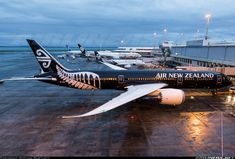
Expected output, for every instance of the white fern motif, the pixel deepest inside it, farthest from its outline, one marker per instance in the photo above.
(80, 80)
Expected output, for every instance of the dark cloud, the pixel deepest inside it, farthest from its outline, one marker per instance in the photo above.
(107, 22)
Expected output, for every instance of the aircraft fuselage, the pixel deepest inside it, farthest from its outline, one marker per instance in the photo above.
(120, 79)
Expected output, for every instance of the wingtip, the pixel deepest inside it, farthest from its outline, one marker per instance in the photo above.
(78, 116)
(64, 117)
(71, 117)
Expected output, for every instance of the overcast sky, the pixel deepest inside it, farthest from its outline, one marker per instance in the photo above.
(108, 22)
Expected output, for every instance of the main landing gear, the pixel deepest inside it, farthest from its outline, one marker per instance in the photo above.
(214, 92)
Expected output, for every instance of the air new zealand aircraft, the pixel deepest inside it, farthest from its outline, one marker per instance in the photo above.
(158, 84)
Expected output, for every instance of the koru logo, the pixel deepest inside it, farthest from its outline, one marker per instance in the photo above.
(43, 58)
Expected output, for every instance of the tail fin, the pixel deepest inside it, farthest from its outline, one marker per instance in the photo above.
(96, 53)
(83, 51)
(68, 48)
(47, 62)
(97, 56)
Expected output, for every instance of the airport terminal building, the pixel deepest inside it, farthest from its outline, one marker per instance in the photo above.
(201, 53)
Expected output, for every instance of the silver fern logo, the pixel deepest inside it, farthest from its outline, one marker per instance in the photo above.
(81, 80)
(43, 58)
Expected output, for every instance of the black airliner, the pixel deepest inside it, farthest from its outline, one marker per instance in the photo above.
(157, 84)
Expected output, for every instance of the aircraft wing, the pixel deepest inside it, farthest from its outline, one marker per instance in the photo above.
(114, 67)
(132, 93)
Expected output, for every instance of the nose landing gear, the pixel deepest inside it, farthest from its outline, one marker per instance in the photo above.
(214, 92)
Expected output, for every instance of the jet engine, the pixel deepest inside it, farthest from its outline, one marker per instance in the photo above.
(127, 66)
(169, 96)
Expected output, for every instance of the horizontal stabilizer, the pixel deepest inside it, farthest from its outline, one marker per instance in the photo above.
(27, 78)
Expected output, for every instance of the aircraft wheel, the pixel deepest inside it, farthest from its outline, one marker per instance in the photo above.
(214, 92)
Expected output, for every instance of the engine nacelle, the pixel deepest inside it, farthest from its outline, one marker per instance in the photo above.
(127, 66)
(169, 96)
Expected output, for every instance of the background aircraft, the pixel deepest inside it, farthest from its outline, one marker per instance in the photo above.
(128, 63)
(117, 55)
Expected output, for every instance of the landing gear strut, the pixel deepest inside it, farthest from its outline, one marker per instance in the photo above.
(214, 92)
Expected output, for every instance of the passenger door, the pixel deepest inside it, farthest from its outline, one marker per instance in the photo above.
(219, 79)
(121, 79)
(179, 81)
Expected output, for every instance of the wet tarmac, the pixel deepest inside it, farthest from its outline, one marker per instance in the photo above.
(31, 123)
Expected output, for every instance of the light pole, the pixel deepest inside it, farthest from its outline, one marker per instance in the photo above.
(122, 42)
(197, 34)
(208, 18)
(179, 38)
(165, 32)
(154, 40)
(154, 43)
(100, 46)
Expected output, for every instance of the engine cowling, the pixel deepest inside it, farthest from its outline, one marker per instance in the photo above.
(127, 66)
(169, 96)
